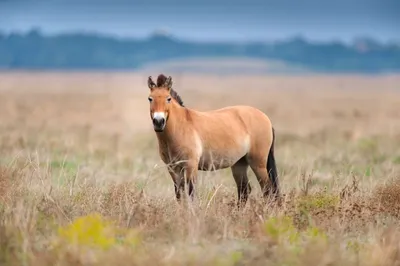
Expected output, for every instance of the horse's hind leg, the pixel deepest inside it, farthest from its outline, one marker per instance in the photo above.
(259, 167)
(239, 172)
(262, 162)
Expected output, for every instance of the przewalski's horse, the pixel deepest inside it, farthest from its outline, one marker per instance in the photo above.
(190, 140)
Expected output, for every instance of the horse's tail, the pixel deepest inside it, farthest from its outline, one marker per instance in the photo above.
(271, 167)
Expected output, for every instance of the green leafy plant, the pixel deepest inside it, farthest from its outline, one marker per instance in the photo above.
(233, 258)
(284, 234)
(95, 232)
(318, 201)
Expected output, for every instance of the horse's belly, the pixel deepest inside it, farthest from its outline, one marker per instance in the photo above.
(223, 153)
(216, 162)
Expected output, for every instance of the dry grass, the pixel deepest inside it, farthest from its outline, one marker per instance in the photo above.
(81, 182)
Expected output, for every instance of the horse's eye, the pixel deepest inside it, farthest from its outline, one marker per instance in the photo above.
(169, 99)
(150, 99)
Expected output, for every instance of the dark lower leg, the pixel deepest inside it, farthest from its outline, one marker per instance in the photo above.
(191, 175)
(178, 189)
(190, 188)
(176, 176)
(244, 189)
(239, 172)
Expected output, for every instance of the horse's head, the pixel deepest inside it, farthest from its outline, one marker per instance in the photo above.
(160, 101)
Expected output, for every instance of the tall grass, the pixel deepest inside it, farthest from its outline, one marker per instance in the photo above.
(81, 182)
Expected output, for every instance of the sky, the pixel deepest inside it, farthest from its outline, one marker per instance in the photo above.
(209, 20)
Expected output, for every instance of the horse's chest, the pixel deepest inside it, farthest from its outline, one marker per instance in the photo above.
(172, 153)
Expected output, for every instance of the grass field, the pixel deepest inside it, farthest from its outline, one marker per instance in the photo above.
(81, 182)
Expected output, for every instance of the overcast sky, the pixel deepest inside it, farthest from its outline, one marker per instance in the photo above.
(204, 20)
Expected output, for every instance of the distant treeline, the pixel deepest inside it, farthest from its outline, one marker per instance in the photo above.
(89, 51)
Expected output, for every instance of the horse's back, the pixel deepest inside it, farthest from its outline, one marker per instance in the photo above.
(251, 117)
(236, 119)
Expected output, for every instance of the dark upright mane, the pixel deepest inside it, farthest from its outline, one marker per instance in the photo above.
(161, 79)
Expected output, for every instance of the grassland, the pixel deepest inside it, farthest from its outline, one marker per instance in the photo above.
(81, 182)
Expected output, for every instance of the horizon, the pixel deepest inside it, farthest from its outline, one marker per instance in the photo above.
(171, 35)
(233, 21)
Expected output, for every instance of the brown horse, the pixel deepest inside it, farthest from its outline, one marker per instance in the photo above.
(190, 140)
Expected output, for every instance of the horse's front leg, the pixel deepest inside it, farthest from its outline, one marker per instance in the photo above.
(177, 178)
(191, 170)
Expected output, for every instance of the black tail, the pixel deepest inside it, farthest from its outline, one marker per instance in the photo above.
(271, 167)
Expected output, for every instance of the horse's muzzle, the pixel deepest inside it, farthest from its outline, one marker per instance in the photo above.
(159, 124)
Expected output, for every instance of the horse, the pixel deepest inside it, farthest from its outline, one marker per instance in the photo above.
(190, 141)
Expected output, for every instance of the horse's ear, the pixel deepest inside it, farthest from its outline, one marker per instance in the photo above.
(151, 83)
(168, 83)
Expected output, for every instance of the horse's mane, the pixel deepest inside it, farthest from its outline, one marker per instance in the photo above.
(161, 79)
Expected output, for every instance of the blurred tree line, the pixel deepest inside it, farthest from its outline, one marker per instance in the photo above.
(33, 50)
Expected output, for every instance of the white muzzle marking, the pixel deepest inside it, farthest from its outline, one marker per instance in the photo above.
(159, 121)
(158, 115)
